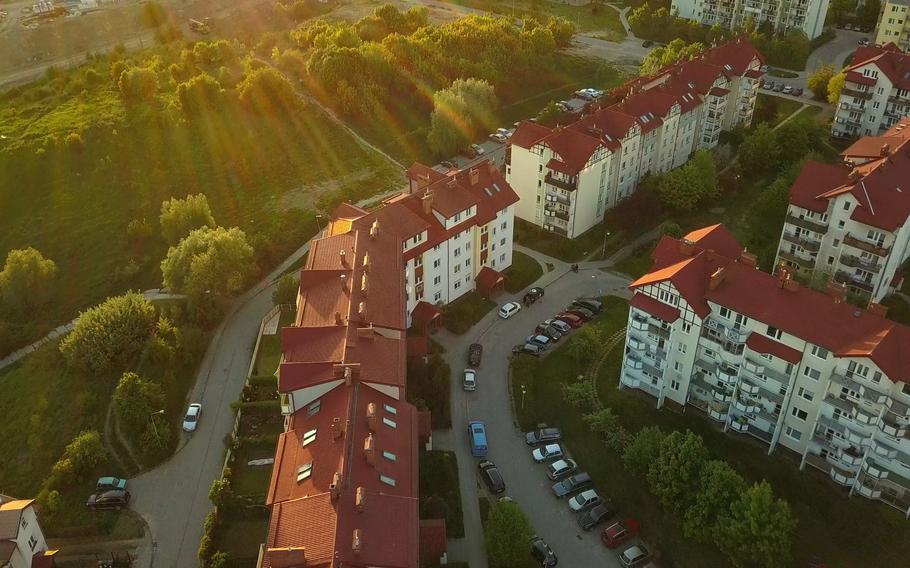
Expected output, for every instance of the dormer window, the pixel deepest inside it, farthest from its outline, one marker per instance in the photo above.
(387, 480)
(389, 422)
(313, 408)
(304, 472)
(309, 437)
(390, 409)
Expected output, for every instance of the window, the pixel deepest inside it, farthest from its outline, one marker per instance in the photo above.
(502, 258)
(437, 296)
(467, 263)
(813, 374)
(686, 327)
(676, 366)
(773, 332)
(389, 456)
(793, 433)
(741, 320)
(32, 542)
(502, 242)
(674, 385)
(905, 388)
(457, 252)
(313, 408)
(389, 422)
(437, 280)
(467, 246)
(799, 413)
(457, 269)
(819, 352)
(724, 313)
(846, 205)
(840, 224)
(436, 263)
(803, 393)
(681, 348)
(390, 409)
(836, 242)
(309, 437)
(830, 260)
(304, 471)
(504, 225)
(23, 523)
(457, 285)
(877, 377)
(387, 480)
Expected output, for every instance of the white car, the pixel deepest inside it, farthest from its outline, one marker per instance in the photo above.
(497, 137)
(584, 500)
(634, 556)
(192, 417)
(469, 382)
(547, 453)
(509, 309)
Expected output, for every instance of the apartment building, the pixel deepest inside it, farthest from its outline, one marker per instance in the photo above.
(893, 26)
(766, 357)
(568, 177)
(876, 93)
(783, 15)
(849, 220)
(22, 542)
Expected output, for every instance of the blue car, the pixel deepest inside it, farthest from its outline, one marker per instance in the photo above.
(478, 433)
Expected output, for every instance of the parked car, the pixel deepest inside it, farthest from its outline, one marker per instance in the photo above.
(560, 325)
(505, 132)
(531, 349)
(478, 149)
(539, 339)
(191, 420)
(798, 92)
(547, 453)
(491, 477)
(619, 532)
(477, 431)
(595, 306)
(449, 164)
(561, 468)
(779, 88)
(535, 293)
(769, 84)
(542, 553)
(469, 381)
(550, 331)
(788, 90)
(116, 499)
(475, 354)
(584, 500)
(633, 556)
(570, 319)
(598, 514)
(583, 313)
(763, 68)
(497, 137)
(109, 483)
(543, 436)
(470, 152)
(647, 43)
(509, 309)
(848, 27)
(571, 484)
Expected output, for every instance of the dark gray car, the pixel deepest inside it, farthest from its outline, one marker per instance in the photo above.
(567, 486)
(543, 436)
(594, 517)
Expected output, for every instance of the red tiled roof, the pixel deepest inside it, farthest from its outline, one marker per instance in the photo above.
(815, 179)
(574, 147)
(487, 278)
(718, 92)
(716, 238)
(561, 167)
(433, 542)
(892, 62)
(418, 346)
(763, 344)
(292, 525)
(854, 77)
(738, 53)
(424, 313)
(657, 309)
(528, 134)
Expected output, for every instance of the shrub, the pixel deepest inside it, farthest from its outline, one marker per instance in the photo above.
(179, 217)
(85, 452)
(138, 84)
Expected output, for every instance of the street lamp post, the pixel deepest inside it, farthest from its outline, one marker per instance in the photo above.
(318, 223)
(524, 391)
(155, 428)
(603, 251)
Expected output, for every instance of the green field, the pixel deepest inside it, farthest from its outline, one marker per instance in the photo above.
(597, 19)
(523, 272)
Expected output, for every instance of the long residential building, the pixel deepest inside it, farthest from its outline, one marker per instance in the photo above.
(767, 357)
(876, 93)
(893, 26)
(782, 15)
(568, 177)
(850, 220)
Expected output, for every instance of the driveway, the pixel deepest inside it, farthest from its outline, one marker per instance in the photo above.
(836, 50)
(526, 482)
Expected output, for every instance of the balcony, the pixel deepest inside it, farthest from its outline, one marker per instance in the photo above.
(717, 412)
(555, 211)
(740, 425)
(856, 93)
(745, 406)
(838, 475)
(748, 389)
(798, 260)
(851, 456)
(659, 331)
(809, 245)
(857, 262)
(867, 491)
(566, 184)
(891, 427)
(853, 107)
(726, 374)
(807, 224)
(874, 248)
(721, 395)
(874, 469)
(854, 280)
(555, 197)
(558, 230)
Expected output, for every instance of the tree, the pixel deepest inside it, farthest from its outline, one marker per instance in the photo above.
(217, 261)
(677, 469)
(220, 492)
(672, 229)
(27, 279)
(835, 86)
(267, 91)
(579, 394)
(550, 115)
(138, 84)
(507, 534)
(109, 335)
(605, 423)
(586, 344)
(286, 290)
(757, 530)
(795, 138)
(759, 151)
(135, 399)
(720, 486)
(461, 113)
(868, 13)
(674, 52)
(818, 81)
(199, 95)
(643, 449)
(179, 217)
(153, 15)
(686, 187)
(85, 452)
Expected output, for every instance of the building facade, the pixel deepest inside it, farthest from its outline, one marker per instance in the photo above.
(22, 542)
(849, 220)
(568, 177)
(766, 357)
(783, 15)
(893, 26)
(876, 93)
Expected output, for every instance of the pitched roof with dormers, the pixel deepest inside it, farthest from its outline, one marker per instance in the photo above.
(892, 62)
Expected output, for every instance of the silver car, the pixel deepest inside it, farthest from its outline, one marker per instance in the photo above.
(469, 382)
(584, 501)
(547, 453)
(192, 417)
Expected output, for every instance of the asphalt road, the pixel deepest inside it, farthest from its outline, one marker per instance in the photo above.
(526, 482)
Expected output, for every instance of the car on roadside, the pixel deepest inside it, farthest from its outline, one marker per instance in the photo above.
(598, 514)
(763, 68)
(110, 483)
(561, 468)
(634, 556)
(531, 349)
(619, 532)
(539, 339)
(848, 26)
(798, 92)
(769, 85)
(449, 164)
(788, 90)
(591, 304)
(863, 41)
(560, 325)
(469, 380)
(571, 484)
(542, 553)
(543, 436)
(475, 354)
(509, 309)
(547, 453)
(535, 293)
(478, 149)
(191, 418)
(550, 331)
(570, 319)
(477, 433)
(583, 313)
(779, 88)
(584, 500)
(647, 43)
(505, 132)
(497, 137)
(116, 499)
(491, 477)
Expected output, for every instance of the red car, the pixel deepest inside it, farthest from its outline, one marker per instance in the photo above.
(620, 532)
(570, 319)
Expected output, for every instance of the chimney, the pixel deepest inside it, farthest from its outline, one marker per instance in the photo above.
(886, 149)
(791, 285)
(362, 310)
(363, 283)
(426, 200)
(372, 417)
(343, 279)
(290, 557)
(686, 247)
(335, 486)
(359, 499)
(877, 309)
(366, 261)
(337, 429)
(369, 449)
(717, 277)
(491, 167)
(374, 229)
(474, 175)
(341, 254)
(357, 542)
(854, 175)
(747, 258)
(837, 290)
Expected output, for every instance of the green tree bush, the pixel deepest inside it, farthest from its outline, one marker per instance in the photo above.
(757, 531)
(138, 84)
(507, 534)
(135, 399)
(818, 81)
(179, 217)
(267, 91)
(286, 290)
(759, 151)
(719, 486)
(200, 95)
(85, 452)
(677, 469)
(460, 114)
(217, 261)
(643, 450)
(27, 280)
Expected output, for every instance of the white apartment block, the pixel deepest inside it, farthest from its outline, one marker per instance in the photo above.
(766, 357)
(893, 25)
(784, 15)
(568, 177)
(22, 542)
(876, 93)
(849, 220)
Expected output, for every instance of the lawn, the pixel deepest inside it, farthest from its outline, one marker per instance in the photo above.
(592, 18)
(772, 109)
(579, 248)
(636, 263)
(523, 272)
(241, 534)
(440, 495)
(464, 312)
(269, 355)
(824, 514)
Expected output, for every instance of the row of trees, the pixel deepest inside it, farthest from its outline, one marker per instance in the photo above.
(461, 113)
(826, 83)
(765, 150)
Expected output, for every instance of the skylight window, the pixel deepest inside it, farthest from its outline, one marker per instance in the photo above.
(313, 408)
(309, 437)
(387, 480)
(304, 472)
(488, 192)
(389, 422)
(390, 409)
(496, 187)
(389, 456)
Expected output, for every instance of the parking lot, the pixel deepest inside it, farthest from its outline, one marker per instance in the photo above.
(526, 482)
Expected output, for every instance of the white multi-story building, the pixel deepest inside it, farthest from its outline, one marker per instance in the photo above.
(849, 220)
(893, 25)
(876, 93)
(783, 15)
(767, 357)
(22, 543)
(568, 177)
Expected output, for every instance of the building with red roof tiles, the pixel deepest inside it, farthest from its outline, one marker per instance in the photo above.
(767, 357)
(22, 542)
(809, 17)
(850, 220)
(876, 93)
(569, 176)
